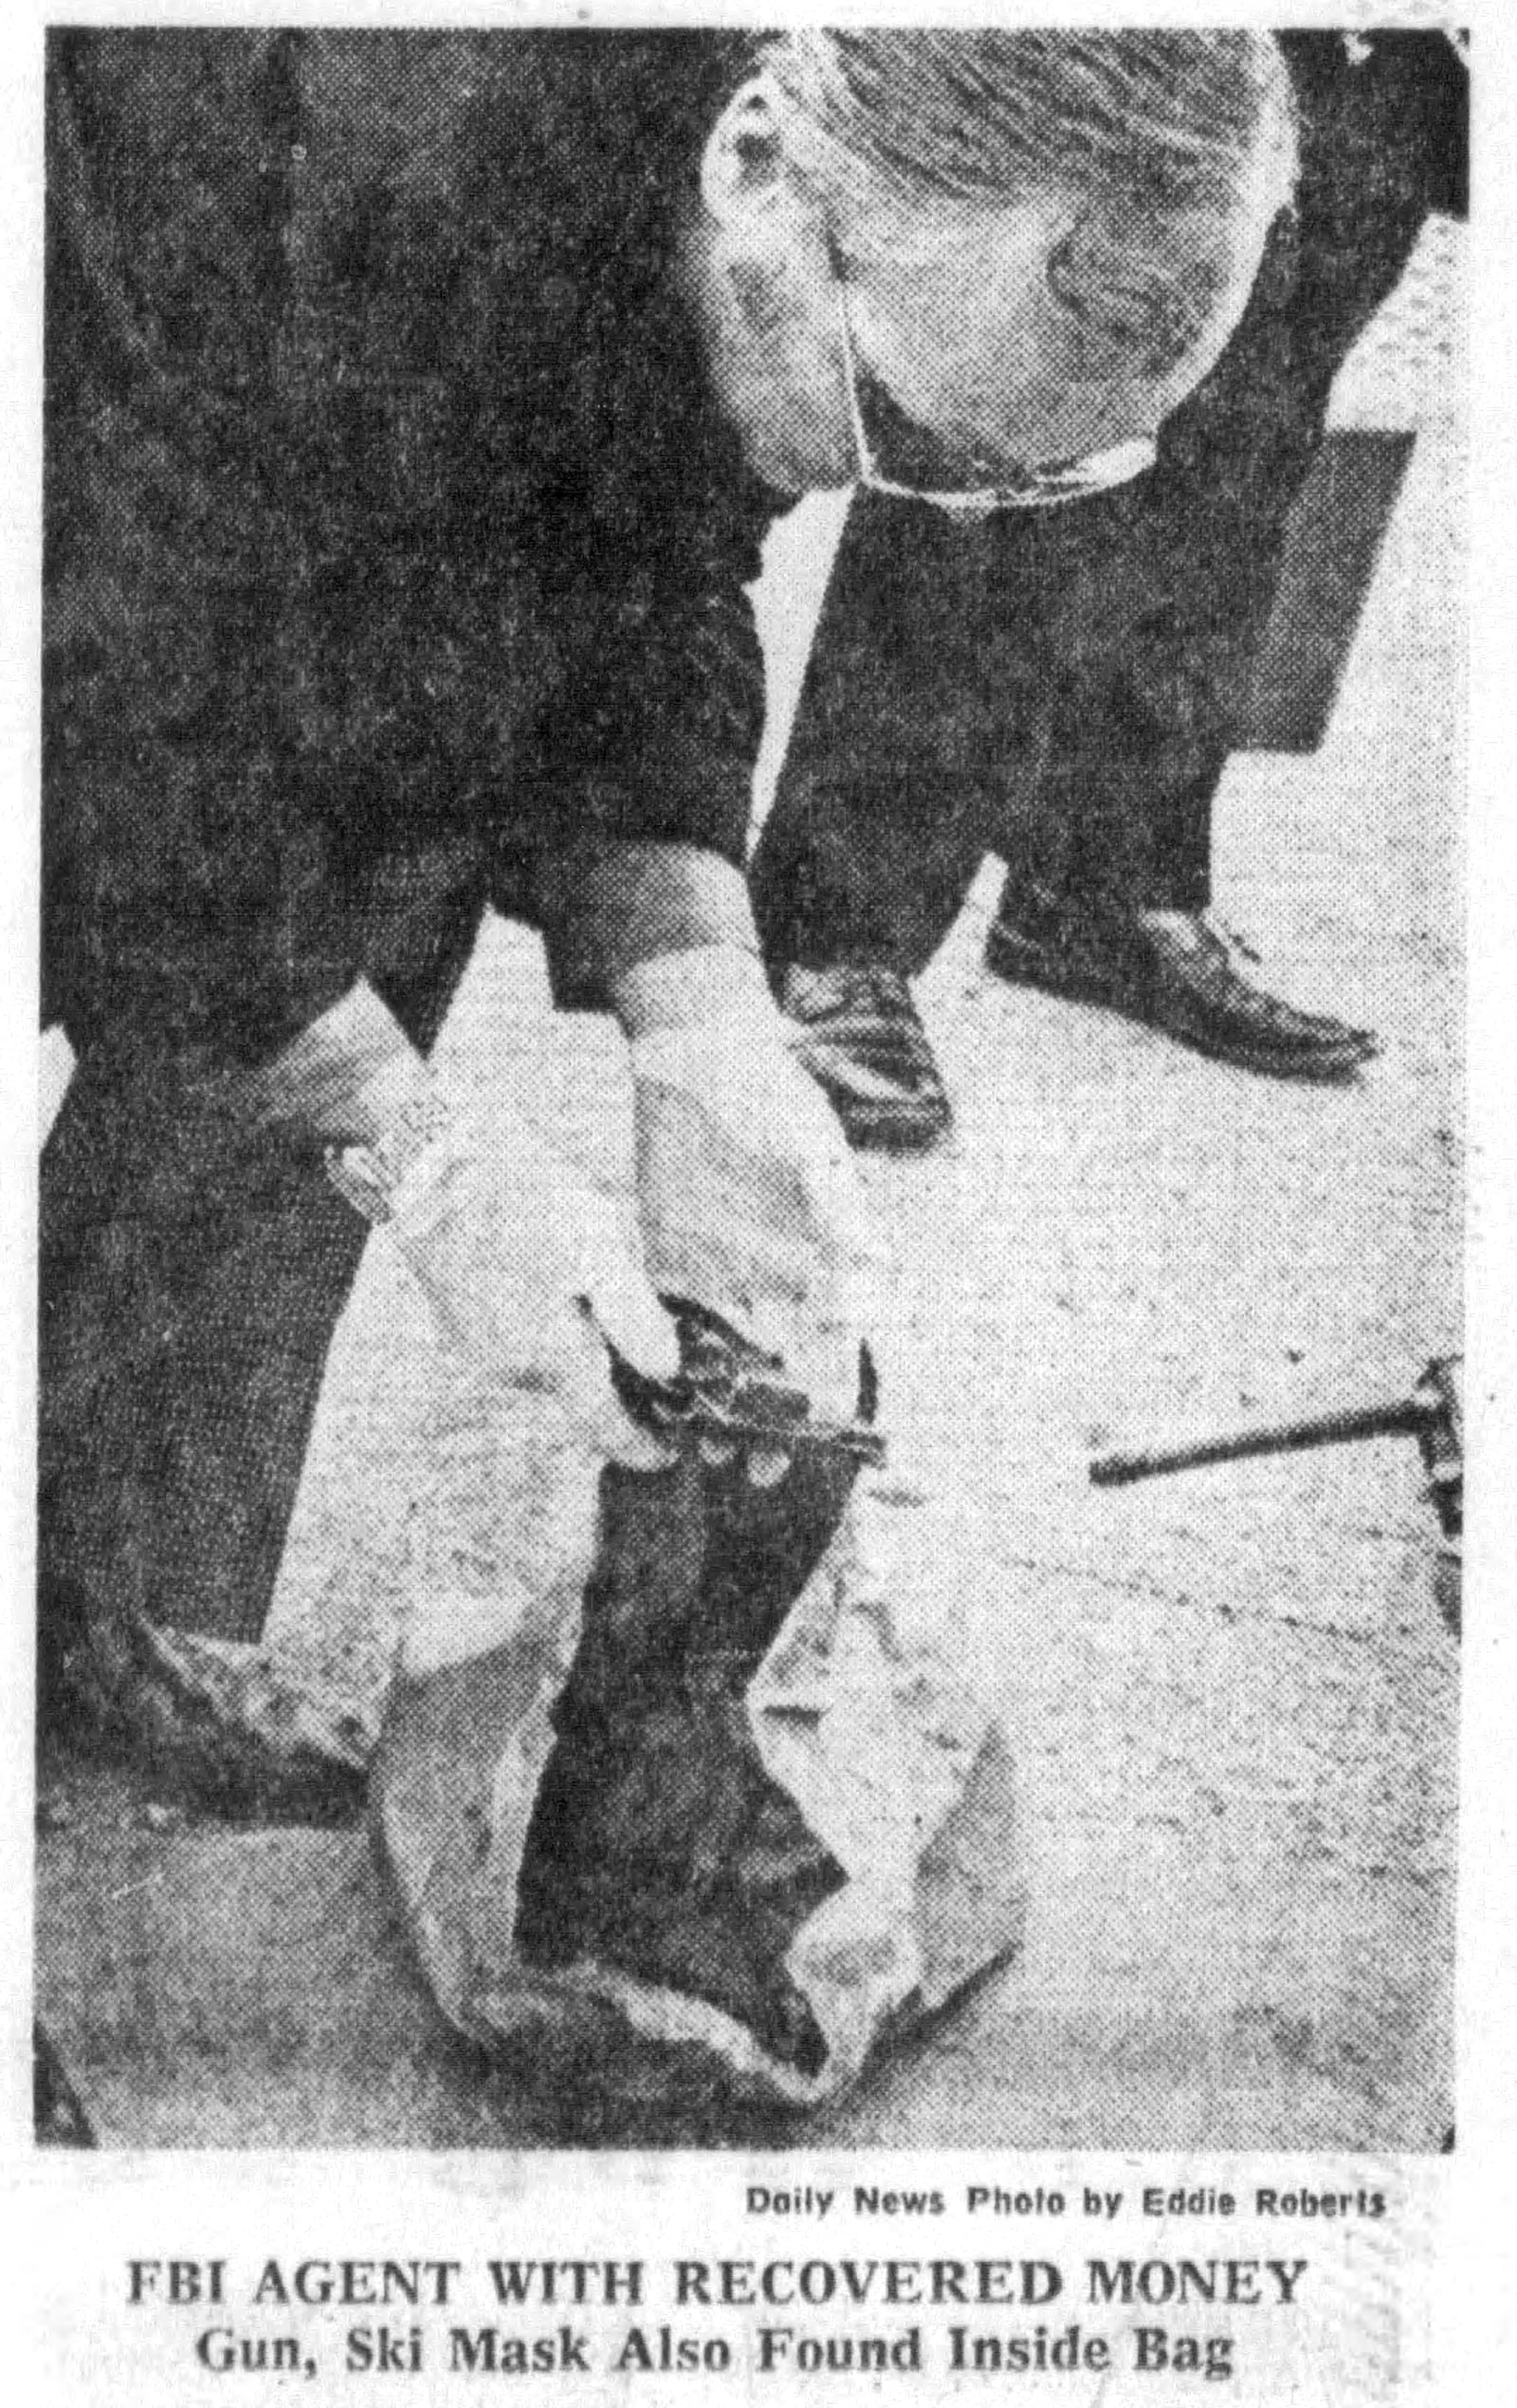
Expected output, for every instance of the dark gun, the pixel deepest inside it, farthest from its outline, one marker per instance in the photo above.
(1433, 1414)
(732, 1394)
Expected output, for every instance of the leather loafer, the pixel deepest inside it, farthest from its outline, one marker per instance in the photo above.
(1174, 971)
(857, 1031)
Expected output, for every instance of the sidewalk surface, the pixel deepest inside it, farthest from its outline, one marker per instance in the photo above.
(1231, 1698)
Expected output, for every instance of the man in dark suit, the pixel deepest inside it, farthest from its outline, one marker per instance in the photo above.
(415, 406)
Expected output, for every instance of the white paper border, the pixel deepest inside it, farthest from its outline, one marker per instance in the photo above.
(71, 2221)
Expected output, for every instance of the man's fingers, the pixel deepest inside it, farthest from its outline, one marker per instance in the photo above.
(625, 1309)
(752, 1207)
(583, 1382)
(348, 1076)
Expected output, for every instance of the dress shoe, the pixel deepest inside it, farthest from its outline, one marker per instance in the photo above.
(1174, 971)
(858, 1033)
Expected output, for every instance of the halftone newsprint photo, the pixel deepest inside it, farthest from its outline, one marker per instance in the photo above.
(737, 1575)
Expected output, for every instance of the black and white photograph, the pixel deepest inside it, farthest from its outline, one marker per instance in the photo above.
(751, 782)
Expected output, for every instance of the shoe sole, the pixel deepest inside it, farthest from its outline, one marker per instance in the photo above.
(1022, 963)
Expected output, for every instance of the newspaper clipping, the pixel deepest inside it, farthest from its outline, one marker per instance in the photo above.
(744, 810)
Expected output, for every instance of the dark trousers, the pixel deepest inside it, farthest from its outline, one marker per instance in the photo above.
(193, 1267)
(1064, 687)
(939, 720)
(1059, 688)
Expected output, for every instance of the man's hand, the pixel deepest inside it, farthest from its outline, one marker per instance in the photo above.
(531, 1272)
(749, 1201)
(347, 1078)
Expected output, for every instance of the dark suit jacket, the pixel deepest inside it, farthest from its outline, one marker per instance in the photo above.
(391, 535)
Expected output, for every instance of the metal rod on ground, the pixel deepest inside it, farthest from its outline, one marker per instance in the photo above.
(1433, 1414)
(1408, 1417)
